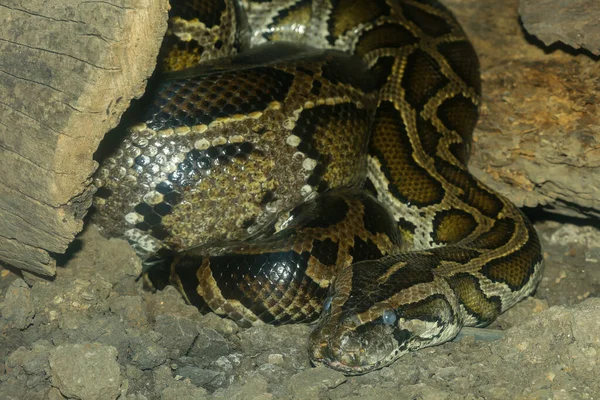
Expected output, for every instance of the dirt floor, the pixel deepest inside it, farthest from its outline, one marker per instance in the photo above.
(123, 342)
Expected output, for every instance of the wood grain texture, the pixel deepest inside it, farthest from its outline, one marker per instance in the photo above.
(68, 71)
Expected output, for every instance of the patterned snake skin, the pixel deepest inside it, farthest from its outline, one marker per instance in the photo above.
(307, 160)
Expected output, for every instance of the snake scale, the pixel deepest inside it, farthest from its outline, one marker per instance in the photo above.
(306, 160)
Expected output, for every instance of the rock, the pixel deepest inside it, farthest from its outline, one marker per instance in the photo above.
(86, 371)
(33, 361)
(314, 383)
(572, 22)
(205, 378)
(250, 387)
(131, 309)
(538, 133)
(183, 391)
(177, 334)
(224, 326)
(208, 347)
(17, 308)
(289, 341)
(145, 353)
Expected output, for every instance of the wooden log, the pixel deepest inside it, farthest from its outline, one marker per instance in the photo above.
(68, 71)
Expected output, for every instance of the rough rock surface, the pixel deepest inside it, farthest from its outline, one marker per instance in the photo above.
(538, 137)
(572, 22)
(94, 320)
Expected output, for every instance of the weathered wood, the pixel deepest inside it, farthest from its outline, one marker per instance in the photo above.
(68, 70)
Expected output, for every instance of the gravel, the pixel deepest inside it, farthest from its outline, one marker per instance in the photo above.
(95, 333)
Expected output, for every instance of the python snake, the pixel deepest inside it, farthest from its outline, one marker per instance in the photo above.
(308, 158)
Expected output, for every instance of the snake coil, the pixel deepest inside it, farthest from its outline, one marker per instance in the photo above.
(321, 178)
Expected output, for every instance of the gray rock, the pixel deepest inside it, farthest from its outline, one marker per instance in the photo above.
(131, 308)
(18, 308)
(145, 353)
(251, 387)
(178, 334)
(205, 378)
(86, 371)
(224, 326)
(183, 391)
(208, 347)
(80, 327)
(33, 361)
(314, 382)
(288, 341)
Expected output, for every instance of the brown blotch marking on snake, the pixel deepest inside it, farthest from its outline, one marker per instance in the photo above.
(376, 219)
(499, 235)
(316, 87)
(184, 275)
(429, 136)
(201, 100)
(459, 255)
(464, 62)
(515, 269)
(472, 194)
(407, 229)
(347, 14)
(298, 13)
(384, 36)
(391, 146)
(177, 55)
(368, 288)
(427, 309)
(453, 225)
(348, 70)
(422, 79)
(331, 211)
(459, 114)
(208, 10)
(381, 70)
(326, 251)
(323, 129)
(468, 290)
(430, 24)
(364, 250)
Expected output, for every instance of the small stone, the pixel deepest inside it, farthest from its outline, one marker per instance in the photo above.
(86, 371)
(249, 387)
(224, 326)
(208, 347)
(178, 334)
(202, 377)
(131, 309)
(276, 359)
(18, 309)
(183, 391)
(146, 354)
(314, 381)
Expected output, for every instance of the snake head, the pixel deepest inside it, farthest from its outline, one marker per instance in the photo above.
(364, 326)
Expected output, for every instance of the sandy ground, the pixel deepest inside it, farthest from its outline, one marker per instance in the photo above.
(95, 333)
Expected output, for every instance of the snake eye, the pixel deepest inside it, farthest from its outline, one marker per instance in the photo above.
(389, 317)
(327, 304)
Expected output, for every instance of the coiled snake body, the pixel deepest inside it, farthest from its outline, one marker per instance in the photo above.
(325, 177)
